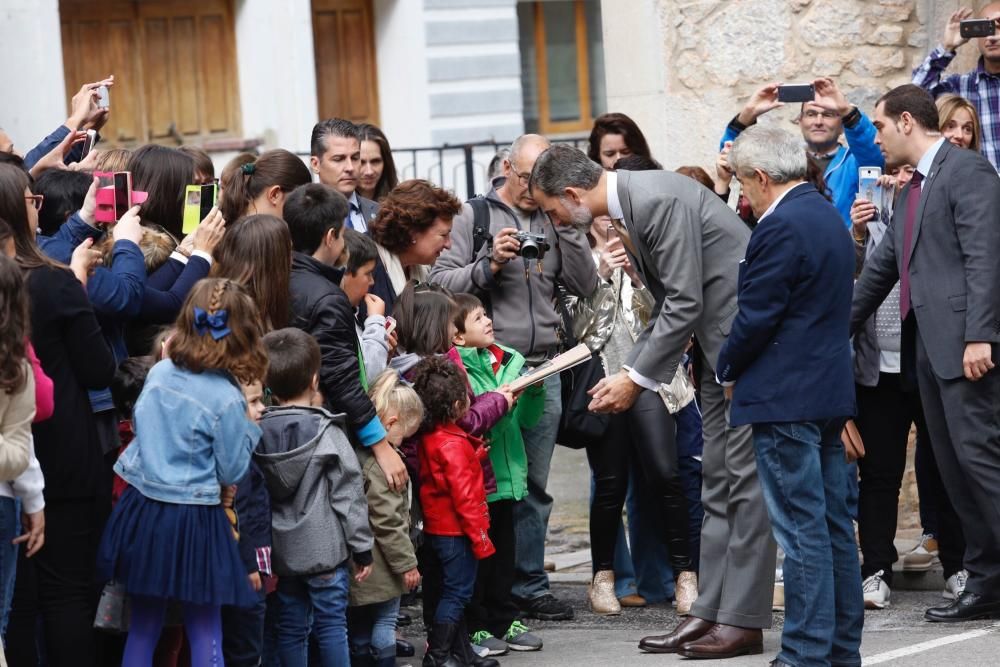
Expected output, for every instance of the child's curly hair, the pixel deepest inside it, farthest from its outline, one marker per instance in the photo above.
(441, 389)
(240, 352)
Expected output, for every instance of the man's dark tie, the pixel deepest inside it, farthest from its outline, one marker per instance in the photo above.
(351, 210)
(912, 203)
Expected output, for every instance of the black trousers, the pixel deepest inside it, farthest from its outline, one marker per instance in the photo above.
(492, 606)
(885, 414)
(964, 426)
(648, 432)
(243, 633)
(937, 516)
(57, 585)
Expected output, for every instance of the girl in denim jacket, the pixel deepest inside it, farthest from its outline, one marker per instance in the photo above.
(168, 538)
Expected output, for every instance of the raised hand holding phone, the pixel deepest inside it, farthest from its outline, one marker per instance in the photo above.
(209, 232)
(129, 228)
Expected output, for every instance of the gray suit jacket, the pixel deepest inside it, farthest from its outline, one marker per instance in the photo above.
(954, 260)
(369, 209)
(690, 245)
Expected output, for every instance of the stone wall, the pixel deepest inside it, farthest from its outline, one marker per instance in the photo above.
(705, 57)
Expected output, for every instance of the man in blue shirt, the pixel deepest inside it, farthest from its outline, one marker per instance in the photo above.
(822, 122)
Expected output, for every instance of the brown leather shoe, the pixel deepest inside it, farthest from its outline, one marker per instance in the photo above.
(632, 600)
(690, 628)
(725, 641)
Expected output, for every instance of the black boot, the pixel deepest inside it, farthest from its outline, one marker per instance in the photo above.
(463, 651)
(439, 642)
(364, 659)
(404, 649)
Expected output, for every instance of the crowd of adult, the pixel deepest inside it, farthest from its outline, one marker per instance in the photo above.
(757, 368)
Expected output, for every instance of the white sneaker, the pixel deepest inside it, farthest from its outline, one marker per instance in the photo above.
(955, 586)
(923, 557)
(876, 591)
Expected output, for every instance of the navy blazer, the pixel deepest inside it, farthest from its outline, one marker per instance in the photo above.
(789, 349)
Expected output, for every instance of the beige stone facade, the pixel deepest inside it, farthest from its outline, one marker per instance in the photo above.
(683, 68)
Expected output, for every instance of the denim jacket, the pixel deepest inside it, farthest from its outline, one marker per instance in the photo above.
(192, 434)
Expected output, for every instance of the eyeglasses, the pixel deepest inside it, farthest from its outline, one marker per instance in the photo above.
(522, 177)
(36, 200)
(813, 115)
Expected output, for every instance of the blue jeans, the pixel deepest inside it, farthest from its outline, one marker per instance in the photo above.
(458, 573)
(371, 629)
(8, 557)
(531, 517)
(803, 476)
(319, 601)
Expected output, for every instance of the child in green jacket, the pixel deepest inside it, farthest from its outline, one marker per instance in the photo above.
(491, 615)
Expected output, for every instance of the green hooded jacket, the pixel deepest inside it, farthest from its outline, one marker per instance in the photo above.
(510, 463)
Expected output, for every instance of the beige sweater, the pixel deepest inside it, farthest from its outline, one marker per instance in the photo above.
(16, 412)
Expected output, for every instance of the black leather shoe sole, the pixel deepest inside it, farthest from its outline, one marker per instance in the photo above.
(749, 649)
(658, 649)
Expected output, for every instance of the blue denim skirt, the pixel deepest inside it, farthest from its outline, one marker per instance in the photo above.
(185, 553)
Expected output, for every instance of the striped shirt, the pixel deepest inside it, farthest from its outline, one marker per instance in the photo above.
(978, 86)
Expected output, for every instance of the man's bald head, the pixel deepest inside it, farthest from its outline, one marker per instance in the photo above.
(517, 168)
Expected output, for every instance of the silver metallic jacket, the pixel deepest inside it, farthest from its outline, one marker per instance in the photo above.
(609, 321)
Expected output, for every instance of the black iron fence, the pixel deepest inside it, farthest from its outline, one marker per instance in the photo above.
(461, 168)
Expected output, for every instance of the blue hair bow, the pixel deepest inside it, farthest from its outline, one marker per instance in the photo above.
(214, 324)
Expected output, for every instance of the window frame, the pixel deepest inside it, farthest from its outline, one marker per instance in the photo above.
(545, 123)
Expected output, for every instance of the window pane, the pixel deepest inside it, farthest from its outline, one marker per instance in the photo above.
(529, 67)
(560, 55)
(595, 48)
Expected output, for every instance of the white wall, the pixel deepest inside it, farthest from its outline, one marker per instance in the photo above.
(277, 72)
(31, 70)
(401, 61)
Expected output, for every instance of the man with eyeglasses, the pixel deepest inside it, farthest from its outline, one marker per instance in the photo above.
(822, 122)
(520, 291)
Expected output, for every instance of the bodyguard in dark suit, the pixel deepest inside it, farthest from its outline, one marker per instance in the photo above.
(944, 249)
(789, 355)
(687, 245)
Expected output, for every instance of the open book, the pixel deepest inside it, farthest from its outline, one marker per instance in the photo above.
(567, 359)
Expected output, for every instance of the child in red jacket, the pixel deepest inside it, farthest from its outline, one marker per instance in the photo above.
(456, 518)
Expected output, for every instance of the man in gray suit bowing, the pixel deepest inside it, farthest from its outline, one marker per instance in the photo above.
(687, 246)
(944, 249)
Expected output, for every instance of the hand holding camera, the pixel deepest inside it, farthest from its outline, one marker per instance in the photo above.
(209, 232)
(505, 247)
(763, 100)
(90, 106)
(830, 97)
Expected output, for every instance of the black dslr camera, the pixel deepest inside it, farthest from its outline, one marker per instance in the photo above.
(533, 246)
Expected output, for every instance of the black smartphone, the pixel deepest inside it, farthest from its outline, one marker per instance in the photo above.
(209, 194)
(797, 92)
(973, 28)
(123, 193)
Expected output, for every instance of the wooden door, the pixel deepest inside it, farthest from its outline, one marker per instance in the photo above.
(346, 77)
(173, 61)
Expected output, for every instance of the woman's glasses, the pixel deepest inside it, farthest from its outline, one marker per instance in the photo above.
(36, 200)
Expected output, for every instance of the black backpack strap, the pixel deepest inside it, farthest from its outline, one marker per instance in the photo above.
(480, 223)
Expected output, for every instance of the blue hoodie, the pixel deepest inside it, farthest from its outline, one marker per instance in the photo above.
(841, 174)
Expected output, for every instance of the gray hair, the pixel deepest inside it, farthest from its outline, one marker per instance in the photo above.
(496, 164)
(563, 166)
(776, 152)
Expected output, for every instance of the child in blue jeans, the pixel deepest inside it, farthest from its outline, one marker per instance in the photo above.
(319, 516)
(456, 518)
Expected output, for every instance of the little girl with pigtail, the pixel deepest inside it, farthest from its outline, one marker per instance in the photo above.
(168, 538)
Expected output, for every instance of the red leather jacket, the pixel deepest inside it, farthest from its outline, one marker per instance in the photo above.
(451, 487)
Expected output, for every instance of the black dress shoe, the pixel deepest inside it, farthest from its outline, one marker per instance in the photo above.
(968, 607)
(404, 649)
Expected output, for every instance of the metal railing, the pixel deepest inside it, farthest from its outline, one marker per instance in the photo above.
(460, 168)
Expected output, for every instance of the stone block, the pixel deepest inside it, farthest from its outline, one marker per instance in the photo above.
(886, 35)
(746, 42)
(873, 61)
(832, 23)
(891, 10)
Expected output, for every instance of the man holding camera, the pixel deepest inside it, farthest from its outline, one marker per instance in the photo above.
(981, 86)
(822, 121)
(505, 251)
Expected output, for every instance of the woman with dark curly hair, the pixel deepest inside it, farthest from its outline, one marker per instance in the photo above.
(412, 229)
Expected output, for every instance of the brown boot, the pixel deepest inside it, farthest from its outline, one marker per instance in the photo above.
(690, 629)
(602, 594)
(725, 641)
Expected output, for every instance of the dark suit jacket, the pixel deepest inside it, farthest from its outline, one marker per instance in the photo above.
(789, 350)
(689, 245)
(954, 261)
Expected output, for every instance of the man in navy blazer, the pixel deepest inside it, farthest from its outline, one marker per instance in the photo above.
(789, 356)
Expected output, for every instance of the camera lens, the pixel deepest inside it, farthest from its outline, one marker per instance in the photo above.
(529, 250)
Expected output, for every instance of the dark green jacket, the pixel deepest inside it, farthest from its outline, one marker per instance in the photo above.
(510, 463)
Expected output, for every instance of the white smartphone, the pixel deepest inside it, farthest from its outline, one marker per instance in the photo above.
(103, 100)
(88, 144)
(868, 185)
(390, 325)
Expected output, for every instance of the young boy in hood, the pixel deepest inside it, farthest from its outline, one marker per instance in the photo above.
(376, 340)
(319, 515)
